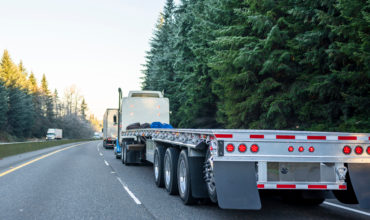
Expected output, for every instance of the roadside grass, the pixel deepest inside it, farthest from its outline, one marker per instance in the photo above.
(14, 149)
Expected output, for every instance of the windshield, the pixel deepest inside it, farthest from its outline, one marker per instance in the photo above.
(50, 134)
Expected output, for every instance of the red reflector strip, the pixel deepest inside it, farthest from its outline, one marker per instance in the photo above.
(317, 186)
(223, 135)
(261, 136)
(342, 187)
(316, 137)
(347, 138)
(285, 137)
(260, 186)
(281, 186)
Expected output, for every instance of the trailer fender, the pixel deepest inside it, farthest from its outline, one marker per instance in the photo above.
(236, 185)
(360, 179)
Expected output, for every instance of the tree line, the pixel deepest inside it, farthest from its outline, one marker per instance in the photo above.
(28, 109)
(263, 64)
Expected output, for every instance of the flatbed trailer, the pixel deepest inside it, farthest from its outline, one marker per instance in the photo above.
(231, 166)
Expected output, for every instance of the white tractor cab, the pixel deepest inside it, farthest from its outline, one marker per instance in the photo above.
(139, 110)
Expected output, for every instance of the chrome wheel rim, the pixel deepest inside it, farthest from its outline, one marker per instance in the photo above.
(156, 169)
(167, 170)
(182, 177)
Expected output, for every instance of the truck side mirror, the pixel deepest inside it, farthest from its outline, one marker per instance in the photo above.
(115, 119)
(102, 130)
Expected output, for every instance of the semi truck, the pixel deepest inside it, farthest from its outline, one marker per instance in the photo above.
(54, 134)
(232, 166)
(110, 127)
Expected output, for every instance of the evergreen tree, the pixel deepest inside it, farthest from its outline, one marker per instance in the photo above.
(48, 100)
(83, 109)
(3, 104)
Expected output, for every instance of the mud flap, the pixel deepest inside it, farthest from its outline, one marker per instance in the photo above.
(198, 185)
(236, 185)
(360, 179)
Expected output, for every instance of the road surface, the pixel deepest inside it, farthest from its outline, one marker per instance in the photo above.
(86, 181)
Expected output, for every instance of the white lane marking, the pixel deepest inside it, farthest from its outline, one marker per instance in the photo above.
(106, 163)
(97, 147)
(100, 154)
(137, 201)
(346, 208)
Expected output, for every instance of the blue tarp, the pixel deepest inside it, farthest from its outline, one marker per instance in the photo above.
(158, 124)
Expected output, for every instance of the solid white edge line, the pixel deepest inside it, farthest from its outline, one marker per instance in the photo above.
(106, 163)
(136, 200)
(346, 208)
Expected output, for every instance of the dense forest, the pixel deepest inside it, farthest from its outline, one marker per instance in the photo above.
(28, 109)
(263, 64)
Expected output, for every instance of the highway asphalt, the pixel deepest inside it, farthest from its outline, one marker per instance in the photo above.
(86, 181)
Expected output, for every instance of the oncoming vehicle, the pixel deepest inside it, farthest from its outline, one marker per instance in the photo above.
(54, 134)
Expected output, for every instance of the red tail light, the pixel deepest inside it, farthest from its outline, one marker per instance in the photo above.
(230, 148)
(254, 148)
(300, 149)
(242, 148)
(347, 149)
(368, 150)
(311, 149)
(359, 150)
(290, 148)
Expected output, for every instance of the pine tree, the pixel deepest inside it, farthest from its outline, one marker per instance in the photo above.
(48, 100)
(83, 109)
(3, 104)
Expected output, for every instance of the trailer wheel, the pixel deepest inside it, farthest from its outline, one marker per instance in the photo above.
(123, 155)
(124, 151)
(209, 177)
(170, 170)
(158, 166)
(183, 179)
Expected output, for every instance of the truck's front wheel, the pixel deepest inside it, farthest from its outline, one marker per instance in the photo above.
(158, 166)
(183, 179)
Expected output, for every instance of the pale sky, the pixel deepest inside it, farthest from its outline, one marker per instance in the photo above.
(96, 45)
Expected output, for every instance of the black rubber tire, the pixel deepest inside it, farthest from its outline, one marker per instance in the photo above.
(158, 156)
(185, 195)
(171, 156)
(212, 194)
(122, 153)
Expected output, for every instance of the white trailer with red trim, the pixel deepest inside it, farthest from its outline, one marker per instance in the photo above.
(110, 127)
(231, 166)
